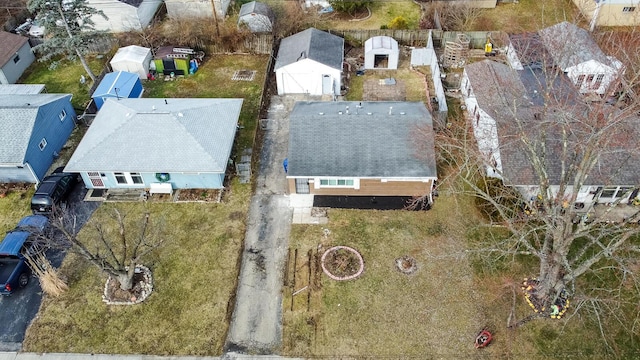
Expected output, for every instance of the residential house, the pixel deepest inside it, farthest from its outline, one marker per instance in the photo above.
(610, 12)
(23, 89)
(257, 17)
(187, 9)
(15, 57)
(124, 15)
(381, 52)
(158, 144)
(310, 62)
(573, 50)
(361, 149)
(506, 106)
(33, 129)
(117, 85)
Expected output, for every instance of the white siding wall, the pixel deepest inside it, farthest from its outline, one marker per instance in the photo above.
(593, 68)
(305, 77)
(12, 71)
(122, 17)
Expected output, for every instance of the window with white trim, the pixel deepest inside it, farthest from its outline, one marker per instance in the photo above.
(337, 182)
(62, 115)
(628, 9)
(120, 178)
(16, 59)
(42, 144)
(598, 81)
(136, 178)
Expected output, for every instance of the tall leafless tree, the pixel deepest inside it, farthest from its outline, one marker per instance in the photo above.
(538, 150)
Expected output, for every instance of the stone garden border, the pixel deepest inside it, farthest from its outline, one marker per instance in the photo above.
(342, 278)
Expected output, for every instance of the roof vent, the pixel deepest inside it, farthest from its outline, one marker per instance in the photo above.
(402, 113)
(390, 108)
(339, 112)
(180, 114)
(320, 113)
(369, 113)
(153, 108)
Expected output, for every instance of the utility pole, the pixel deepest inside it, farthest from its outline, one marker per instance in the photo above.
(215, 17)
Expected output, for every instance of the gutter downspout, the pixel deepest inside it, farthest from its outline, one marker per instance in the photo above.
(596, 13)
(34, 174)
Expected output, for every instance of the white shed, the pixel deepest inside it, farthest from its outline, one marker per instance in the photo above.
(310, 62)
(381, 52)
(134, 59)
(256, 16)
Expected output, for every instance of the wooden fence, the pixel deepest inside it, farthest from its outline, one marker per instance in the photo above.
(253, 44)
(420, 37)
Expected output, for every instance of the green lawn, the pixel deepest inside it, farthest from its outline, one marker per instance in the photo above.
(382, 12)
(526, 15)
(14, 206)
(65, 78)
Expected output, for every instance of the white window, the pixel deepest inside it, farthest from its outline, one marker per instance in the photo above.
(43, 144)
(338, 183)
(62, 115)
(126, 178)
(120, 178)
(627, 9)
(598, 82)
(613, 193)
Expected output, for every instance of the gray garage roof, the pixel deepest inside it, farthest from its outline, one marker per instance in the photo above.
(18, 114)
(145, 135)
(362, 142)
(257, 8)
(311, 44)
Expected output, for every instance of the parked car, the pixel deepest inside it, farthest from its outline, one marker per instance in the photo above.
(14, 271)
(52, 191)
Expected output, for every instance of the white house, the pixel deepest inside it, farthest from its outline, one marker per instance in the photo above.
(124, 15)
(15, 57)
(310, 62)
(134, 59)
(381, 52)
(186, 9)
(503, 104)
(573, 50)
(256, 16)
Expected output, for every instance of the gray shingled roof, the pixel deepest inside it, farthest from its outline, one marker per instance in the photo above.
(366, 142)
(570, 45)
(311, 44)
(256, 7)
(18, 115)
(501, 93)
(149, 135)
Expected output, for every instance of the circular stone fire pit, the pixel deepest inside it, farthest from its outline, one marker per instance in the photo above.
(342, 263)
(406, 264)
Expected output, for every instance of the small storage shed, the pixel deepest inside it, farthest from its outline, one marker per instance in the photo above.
(134, 59)
(15, 57)
(256, 16)
(117, 85)
(381, 52)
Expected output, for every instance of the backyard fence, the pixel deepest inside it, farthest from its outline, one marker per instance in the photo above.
(421, 37)
(252, 44)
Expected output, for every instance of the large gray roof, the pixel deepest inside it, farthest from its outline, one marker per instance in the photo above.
(18, 114)
(311, 44)
(365, 142)
(570, 45)
(151, 135)
(514, 100)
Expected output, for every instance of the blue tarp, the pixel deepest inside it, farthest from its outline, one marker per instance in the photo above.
(119, 84)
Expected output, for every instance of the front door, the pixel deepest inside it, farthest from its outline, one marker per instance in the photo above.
(302, 186)
(327, 84)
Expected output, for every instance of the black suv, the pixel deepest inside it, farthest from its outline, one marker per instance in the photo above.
(52, 190)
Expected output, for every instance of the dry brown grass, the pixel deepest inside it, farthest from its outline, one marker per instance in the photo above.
(527, 15)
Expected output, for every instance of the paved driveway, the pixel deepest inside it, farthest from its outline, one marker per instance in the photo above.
(18, 309)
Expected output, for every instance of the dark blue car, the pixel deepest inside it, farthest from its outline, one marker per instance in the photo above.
(14, 271)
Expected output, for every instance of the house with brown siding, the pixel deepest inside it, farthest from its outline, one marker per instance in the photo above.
(361, 149)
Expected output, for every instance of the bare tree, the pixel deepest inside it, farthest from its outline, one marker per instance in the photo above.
(544, 153)
(453, 16)
(115, 247)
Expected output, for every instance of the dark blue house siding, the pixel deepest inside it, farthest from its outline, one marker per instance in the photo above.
(48, 126)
